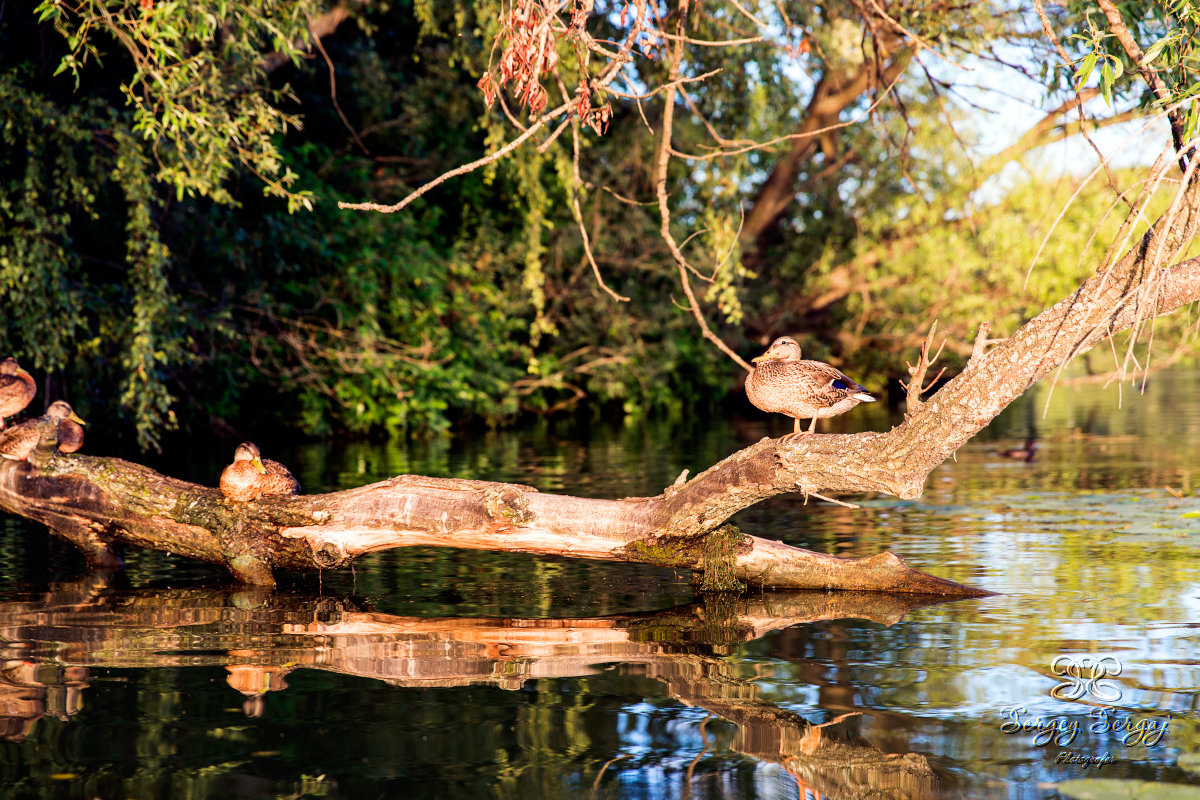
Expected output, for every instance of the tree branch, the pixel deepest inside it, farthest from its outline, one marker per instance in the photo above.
(1116, 24)
(662, 160)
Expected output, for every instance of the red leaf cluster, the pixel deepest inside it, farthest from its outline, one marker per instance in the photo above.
(529, 34)
(529, 53)
(596, 118)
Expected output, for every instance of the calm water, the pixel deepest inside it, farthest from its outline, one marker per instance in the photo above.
(442, 674)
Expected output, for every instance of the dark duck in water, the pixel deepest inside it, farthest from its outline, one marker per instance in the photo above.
(1028, 453)
(784, 383)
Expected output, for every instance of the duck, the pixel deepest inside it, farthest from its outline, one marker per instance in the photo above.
(784, 383)
(250, 476)
(1028, 453)
(18, 442)
(17, 388)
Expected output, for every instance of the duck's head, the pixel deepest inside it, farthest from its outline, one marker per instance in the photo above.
(785, 348)
(62, 409)
(248, 451)
(9, 366)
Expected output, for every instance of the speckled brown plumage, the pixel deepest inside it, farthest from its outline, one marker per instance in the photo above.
(250, 476)
(17, 442)
(784, 383)
(16, 388)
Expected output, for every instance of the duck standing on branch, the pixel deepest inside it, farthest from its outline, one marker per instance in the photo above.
(16, 388)
(250, 476)
(782, 382)
(18, 442)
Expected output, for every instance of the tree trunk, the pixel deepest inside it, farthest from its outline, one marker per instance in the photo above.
(835, 92)
(95, 502)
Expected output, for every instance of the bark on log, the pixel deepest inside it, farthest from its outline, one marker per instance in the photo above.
(95, 502)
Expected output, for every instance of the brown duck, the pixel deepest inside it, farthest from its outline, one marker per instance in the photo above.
(782, 382)
(16, 388)
(250, 476)
(18, 442)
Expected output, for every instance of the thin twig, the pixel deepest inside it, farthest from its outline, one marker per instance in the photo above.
(333, 90)
(465, 168)
(916, 385)
(865, 114)
(981, 340)
(577, 212)
(660, 190)
(1116, 24)
(808, 493)
(906, 32)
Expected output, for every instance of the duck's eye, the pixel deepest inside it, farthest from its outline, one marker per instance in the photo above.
(839, 384)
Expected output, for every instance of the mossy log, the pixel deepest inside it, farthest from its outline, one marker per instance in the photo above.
(99, 502)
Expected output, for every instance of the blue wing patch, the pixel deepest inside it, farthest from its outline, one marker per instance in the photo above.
(839, 384)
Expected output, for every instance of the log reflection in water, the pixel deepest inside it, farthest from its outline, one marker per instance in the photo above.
(48, 644)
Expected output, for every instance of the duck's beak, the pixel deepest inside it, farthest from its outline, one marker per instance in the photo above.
(21, 371)
(76, 418)
(767, 356)
(258, 465)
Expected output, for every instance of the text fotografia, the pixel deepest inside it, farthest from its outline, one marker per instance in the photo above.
(1084, 761)
(1062, 731)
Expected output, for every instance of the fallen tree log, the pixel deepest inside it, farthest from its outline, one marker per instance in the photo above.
(97, 502)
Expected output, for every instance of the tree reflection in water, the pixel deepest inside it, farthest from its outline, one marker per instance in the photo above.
(50, 644)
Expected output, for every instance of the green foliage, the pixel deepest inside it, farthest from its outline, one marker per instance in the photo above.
(154, 341)
(153, 265)
(45, 179)
(58, 182)
(1165, 31)
(198, 82)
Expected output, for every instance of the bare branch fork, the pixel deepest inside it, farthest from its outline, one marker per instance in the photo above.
(916, 386)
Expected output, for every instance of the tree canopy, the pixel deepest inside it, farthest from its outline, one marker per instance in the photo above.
(655, 183)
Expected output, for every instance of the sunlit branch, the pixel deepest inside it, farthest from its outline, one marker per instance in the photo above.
(805, 134)
(465, 168)
(664, 87)
(660, 188)
(708, 43)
